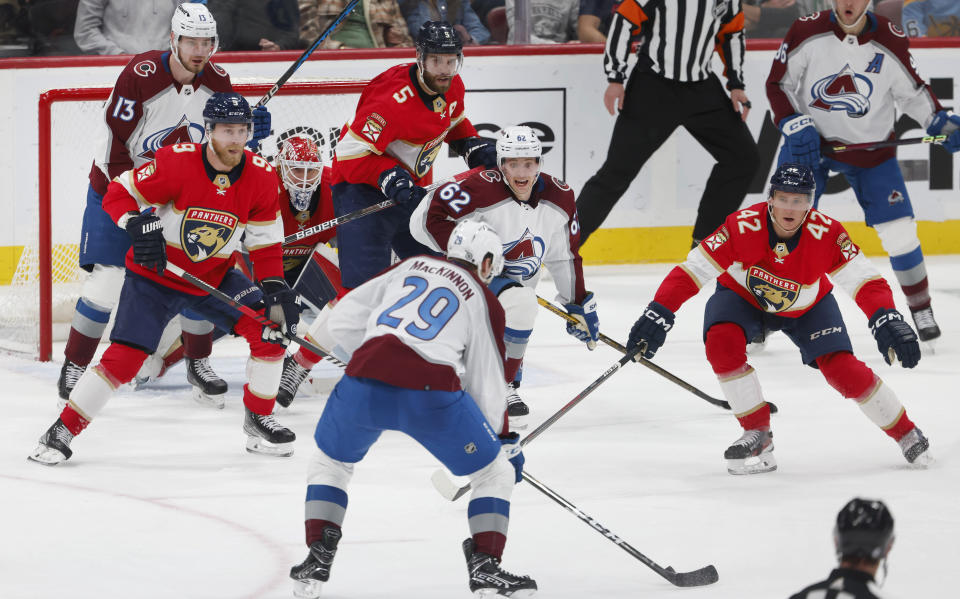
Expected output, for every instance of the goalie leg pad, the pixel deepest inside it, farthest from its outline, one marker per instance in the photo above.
(319, 281)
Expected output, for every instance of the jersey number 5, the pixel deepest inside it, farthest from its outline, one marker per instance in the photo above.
(403, 95)
(435, 310)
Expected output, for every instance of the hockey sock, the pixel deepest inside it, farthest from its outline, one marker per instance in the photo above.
(900, 241)
(197, 346)
(511, 368)
(306, 358)
(726, 348)
(326, 505)
(72, 419)
(86, 329)
(489, 510)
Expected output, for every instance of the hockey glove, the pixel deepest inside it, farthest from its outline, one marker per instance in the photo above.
(895, 338)
(261, 126)
(281, 305)
(650, 330)
(480, 151)
(149, 246)
(514, 453)
(946, 123)
(801, 140)
(588, 327)
(397, 185)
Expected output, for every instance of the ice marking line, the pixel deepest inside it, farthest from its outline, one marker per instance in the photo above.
(277, 550)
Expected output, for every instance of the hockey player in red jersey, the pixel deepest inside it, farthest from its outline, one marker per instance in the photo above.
(157, 101)
(772, 260)
(535, 215)
(197, 203)
(843, 77)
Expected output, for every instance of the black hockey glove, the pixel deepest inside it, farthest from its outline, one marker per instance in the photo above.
(650, 330)
(398, 186)
(281, 305)
(895, 338)
(478, 151)
(149, 246)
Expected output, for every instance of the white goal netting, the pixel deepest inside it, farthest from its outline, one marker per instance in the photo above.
(37, 306)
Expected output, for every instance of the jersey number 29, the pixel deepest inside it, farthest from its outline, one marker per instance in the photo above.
(435, 310)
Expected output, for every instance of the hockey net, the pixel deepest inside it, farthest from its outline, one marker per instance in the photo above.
(37, 306)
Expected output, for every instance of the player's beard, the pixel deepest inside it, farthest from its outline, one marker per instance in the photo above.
(433, 85)
(229, 159)
(189, 64)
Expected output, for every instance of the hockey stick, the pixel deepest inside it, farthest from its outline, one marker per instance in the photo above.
(929, 139)
(704, 576)
(306, 53)
(248, 311)
(452, 492)
(335, 222)
(670, 377)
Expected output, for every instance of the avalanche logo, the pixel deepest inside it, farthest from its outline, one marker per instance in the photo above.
(771, 292)
(846, 90)
(895, 197)
(183, 132)
(524, 256)
(145, 68)
(204, 232)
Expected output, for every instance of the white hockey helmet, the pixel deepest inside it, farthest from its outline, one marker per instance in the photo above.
(473, 241)
(518, 141)
(302, 154)
(193, 20)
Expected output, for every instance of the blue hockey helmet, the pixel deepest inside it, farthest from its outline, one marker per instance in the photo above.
(438, 37)
(794, 178)
(227, 107)
(864, 530)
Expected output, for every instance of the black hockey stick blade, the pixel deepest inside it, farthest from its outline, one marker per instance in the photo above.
(698, 578)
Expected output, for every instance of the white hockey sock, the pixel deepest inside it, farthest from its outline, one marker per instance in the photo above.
(92, 392)
(741, 388)
(880, 405)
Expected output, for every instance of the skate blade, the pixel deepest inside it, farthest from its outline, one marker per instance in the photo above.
(307, 589)
(46, 456)
(922, 461)
(264, 447)
(764, 462)
(211, 401)
(519, 423)
(929, 347)
(518, 594)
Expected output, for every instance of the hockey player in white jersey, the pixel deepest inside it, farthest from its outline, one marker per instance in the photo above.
(424, 346)
(840, 77)
(157, 101)
(535, 214)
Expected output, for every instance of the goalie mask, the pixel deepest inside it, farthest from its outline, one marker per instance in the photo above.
(192, 20)
(473, 241)
(519, 142)
(300, 169)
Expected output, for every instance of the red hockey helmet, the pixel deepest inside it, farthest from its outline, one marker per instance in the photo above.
(300, 169)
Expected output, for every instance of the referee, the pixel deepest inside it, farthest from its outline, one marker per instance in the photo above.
(672, 85)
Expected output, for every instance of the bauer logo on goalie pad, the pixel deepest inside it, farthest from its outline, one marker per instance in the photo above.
(773, 293)
(204, 232)
(524, 256)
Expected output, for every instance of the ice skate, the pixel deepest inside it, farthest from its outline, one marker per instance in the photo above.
(488, 579)
(927, 329)
(69, 375)
(208, 388)
(267, 436)
(517, 411)
(54, 445)
(293, 375)
(752, 453)
(309, 576)
(915, 448)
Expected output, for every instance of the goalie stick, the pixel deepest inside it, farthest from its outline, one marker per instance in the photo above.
(870, 145)
(704, 576)
(654, 367)
(335, 222)
(449, 489)
(248, 311)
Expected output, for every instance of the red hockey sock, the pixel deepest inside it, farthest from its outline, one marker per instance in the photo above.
(757, 419)
(74, 422)
(197, 346)
(491, 543)
(315, 528)
(918, 295)
(256, 404)
(845, 373)
(901, 427)
(306, 358)
(80, 348)
(726, 347)
(511, 367)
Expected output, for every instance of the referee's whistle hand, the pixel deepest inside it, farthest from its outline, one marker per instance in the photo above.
(740, 103)
(613, 98)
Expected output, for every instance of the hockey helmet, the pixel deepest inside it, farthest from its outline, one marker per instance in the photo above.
(227, 107)
(794, 178)
(300, 169)
(864, 530)
(438, 37)
(193, 20)
(518, 142)
(473, 241)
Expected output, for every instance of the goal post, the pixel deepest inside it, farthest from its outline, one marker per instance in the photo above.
(36, 307)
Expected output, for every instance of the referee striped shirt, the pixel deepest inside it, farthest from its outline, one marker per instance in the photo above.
(677, 39)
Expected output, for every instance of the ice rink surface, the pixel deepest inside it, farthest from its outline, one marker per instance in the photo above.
(161, 500)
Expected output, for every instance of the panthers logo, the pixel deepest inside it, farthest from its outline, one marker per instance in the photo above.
(204, 232)
(772, 293)
(427, 155)
(524, 256)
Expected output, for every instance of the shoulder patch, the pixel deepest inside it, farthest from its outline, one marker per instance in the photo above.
(217, 69)
(561, 185)
(896, 30)
(146, 170)
(145, 68)
(373, 127)
(717, 239)
(847, 248)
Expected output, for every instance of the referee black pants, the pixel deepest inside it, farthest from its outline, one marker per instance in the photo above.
(653, 108)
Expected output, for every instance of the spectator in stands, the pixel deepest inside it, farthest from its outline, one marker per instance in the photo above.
(594, 20)
(123, 26)
(50, 23)
(931, 18)
(458, 13)
(257, 24)
(483, 8)
(13, 29)
(372, 24)
(772, 18)
(551, 21)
